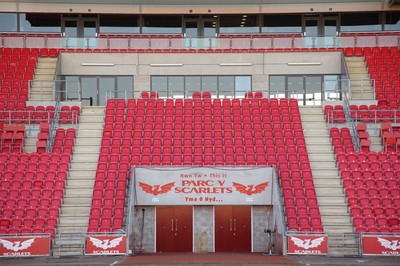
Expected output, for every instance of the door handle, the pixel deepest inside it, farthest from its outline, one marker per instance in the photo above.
(230, 224)
(172, 224)
(234, 224)
(176, 224)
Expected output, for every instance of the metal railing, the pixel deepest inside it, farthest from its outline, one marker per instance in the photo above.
(60, 90)
(226, 42)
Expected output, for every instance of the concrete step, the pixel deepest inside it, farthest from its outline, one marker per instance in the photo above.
(328, 190)
(80, 199)
(81, 156)
(80, 182)
(97, 133)
(333, 210)
(87, 140)
(91, 119)
(332, 199)
(78, 190)
(323, 164)
(75, 208)
(93, 110)
(79, 173)
(83, 166)
(94, 125)
(320, 156)
(66, 219)
(327, 181)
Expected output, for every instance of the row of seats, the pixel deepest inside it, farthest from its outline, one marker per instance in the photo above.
(371, 185)
(32, 188)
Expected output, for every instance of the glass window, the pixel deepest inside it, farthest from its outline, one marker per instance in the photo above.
(226, 86)
(360, 22)
(192, 84)
(8, 22)
(125, 87)
(176, 86)
(184, 86)
(35, 22)
(162, 24)
(277, 85)
(209, 83)
(282, 23)
(119, 24)
(392, 22)
(242, 85)
(239, 24)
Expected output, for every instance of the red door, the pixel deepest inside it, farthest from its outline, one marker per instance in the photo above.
(174, 229)
(232, 228)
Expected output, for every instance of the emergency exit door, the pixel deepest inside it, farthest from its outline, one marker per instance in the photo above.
(232, 228)
(174, 229)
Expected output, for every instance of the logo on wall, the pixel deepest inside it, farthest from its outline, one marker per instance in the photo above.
(17, 245)
(24, 246)
(105, 245)
(156, 189)
(381, 245)
(390, 244)
(307, 244)
(250, 189)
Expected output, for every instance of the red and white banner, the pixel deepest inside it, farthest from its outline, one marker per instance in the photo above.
(307, 244)
(388, 245)
(26, 246)
(105, 245)
(203, 186)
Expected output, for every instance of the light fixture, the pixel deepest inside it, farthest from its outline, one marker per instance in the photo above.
(236, 64)
(97, 64)
(304, 64)
(167, 65)
(245, 16)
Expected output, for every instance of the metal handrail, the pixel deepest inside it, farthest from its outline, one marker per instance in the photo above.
(260, 41)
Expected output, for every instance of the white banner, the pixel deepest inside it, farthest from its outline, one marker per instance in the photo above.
(203, 186)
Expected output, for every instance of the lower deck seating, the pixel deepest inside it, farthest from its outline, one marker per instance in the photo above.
(32, 189)
(203, 132)
(372, 186)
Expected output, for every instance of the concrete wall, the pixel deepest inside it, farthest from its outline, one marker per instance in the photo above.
(258, 65)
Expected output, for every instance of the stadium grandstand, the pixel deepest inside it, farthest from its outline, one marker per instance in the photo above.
(142, 126)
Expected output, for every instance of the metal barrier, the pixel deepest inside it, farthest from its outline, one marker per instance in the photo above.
(61, 90)
(226, 42)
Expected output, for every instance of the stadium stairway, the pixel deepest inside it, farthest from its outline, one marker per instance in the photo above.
(42, 84)
(75, 209)
(31, 136)
(376, 139)
(361, 87)
(335, 217)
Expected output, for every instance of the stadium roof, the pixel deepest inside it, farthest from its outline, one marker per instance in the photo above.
(196, 6)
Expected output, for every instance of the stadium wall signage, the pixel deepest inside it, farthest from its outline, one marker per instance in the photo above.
(26, 246)
(388, 245)
(307, 244)
(105, 245)
(203, 186)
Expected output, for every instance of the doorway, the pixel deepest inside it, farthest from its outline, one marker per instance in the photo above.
(200, 31)
(174, 229)
(323, 27)
(80, 31)
(232, 228)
